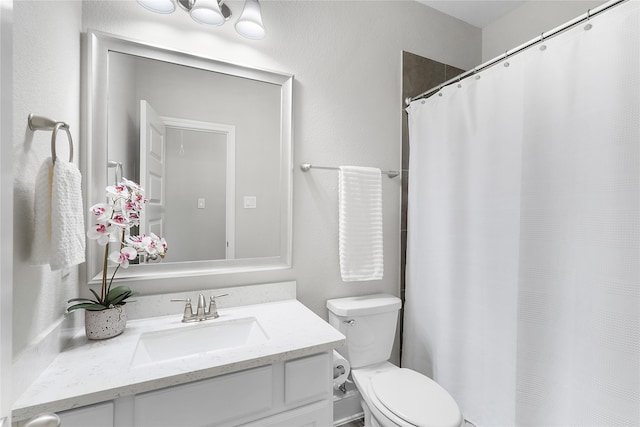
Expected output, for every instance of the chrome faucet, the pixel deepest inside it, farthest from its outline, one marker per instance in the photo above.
(202, 312)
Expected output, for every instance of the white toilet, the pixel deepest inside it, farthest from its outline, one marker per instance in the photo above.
(391, 396)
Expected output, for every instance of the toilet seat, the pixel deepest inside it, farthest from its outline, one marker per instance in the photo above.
(415, 398)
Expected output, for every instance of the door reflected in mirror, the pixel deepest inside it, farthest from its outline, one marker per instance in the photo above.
(210, 142)
(201, 202)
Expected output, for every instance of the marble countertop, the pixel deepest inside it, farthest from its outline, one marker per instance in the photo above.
(88, 372)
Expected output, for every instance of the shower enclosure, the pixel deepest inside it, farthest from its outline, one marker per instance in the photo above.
(523, 253)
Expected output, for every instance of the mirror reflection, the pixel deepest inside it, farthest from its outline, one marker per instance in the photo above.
(170, 128)
(210, 143)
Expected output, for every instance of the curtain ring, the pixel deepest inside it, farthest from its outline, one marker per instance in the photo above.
(542, 46)
(56, 128)
(588, 26)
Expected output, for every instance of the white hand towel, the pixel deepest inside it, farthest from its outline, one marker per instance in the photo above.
(360, 223)
(59, 236)
(67, 216)
(41, 244)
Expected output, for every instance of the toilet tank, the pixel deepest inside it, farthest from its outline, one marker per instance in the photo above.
(369, 323)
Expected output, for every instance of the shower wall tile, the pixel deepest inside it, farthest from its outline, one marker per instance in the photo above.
(451, 72)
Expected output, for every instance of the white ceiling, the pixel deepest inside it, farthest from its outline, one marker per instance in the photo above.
(479, 13)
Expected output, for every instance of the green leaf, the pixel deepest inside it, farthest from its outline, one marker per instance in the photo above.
(118, 290)
(87, 306)
(87, 300)
(96, 295)
(118, 300)
(117, 295)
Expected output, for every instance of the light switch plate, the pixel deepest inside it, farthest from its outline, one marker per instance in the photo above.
(250, 202)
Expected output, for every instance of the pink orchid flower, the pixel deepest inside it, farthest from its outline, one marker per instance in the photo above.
(102, 211)
(102, 232)
(123, 257)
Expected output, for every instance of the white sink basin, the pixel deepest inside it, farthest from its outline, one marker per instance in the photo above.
(195, 339)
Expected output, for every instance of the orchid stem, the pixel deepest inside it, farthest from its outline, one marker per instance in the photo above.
(104, 272)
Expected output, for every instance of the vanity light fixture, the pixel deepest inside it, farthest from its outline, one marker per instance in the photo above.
(249, 24)
(208, 12)
(214, 12)
(158, 6)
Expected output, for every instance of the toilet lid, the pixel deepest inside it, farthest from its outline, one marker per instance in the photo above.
(416, 398)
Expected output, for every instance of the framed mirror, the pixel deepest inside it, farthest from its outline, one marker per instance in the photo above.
(211, 143)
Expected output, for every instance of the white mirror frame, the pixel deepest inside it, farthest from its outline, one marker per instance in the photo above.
(94, 160)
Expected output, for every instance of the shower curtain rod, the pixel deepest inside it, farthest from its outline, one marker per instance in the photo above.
(509, 53)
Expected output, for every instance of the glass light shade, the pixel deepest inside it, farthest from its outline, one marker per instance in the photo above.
(207, 12)
(249, 24)
(158, 6)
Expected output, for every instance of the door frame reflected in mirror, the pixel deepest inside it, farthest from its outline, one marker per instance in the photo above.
(94, 161)
(229, 134)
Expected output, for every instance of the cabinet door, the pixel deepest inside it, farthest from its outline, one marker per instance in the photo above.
(100, 415)
(319, 414)
(216, 401)
(307, 379)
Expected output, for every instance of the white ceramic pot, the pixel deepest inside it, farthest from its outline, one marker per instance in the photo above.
(99, 325)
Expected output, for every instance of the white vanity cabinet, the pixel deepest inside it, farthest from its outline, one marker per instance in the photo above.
(292, 393)
(286, 380)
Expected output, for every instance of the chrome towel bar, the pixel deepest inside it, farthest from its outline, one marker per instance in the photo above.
(306, 166)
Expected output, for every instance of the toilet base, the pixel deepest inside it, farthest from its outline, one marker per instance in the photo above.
(369, 420)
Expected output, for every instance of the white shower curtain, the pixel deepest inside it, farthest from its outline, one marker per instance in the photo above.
(523, 260)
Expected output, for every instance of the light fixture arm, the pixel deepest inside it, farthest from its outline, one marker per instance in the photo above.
(187, 5)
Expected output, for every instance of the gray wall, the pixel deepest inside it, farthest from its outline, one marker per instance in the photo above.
(46, 82)
(123, 113)
(528, 22)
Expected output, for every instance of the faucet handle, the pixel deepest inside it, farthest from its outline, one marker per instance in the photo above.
(212, 312)
(188, 311)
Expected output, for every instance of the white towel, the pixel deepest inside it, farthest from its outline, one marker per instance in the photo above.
(59, 216)
(360, 227)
